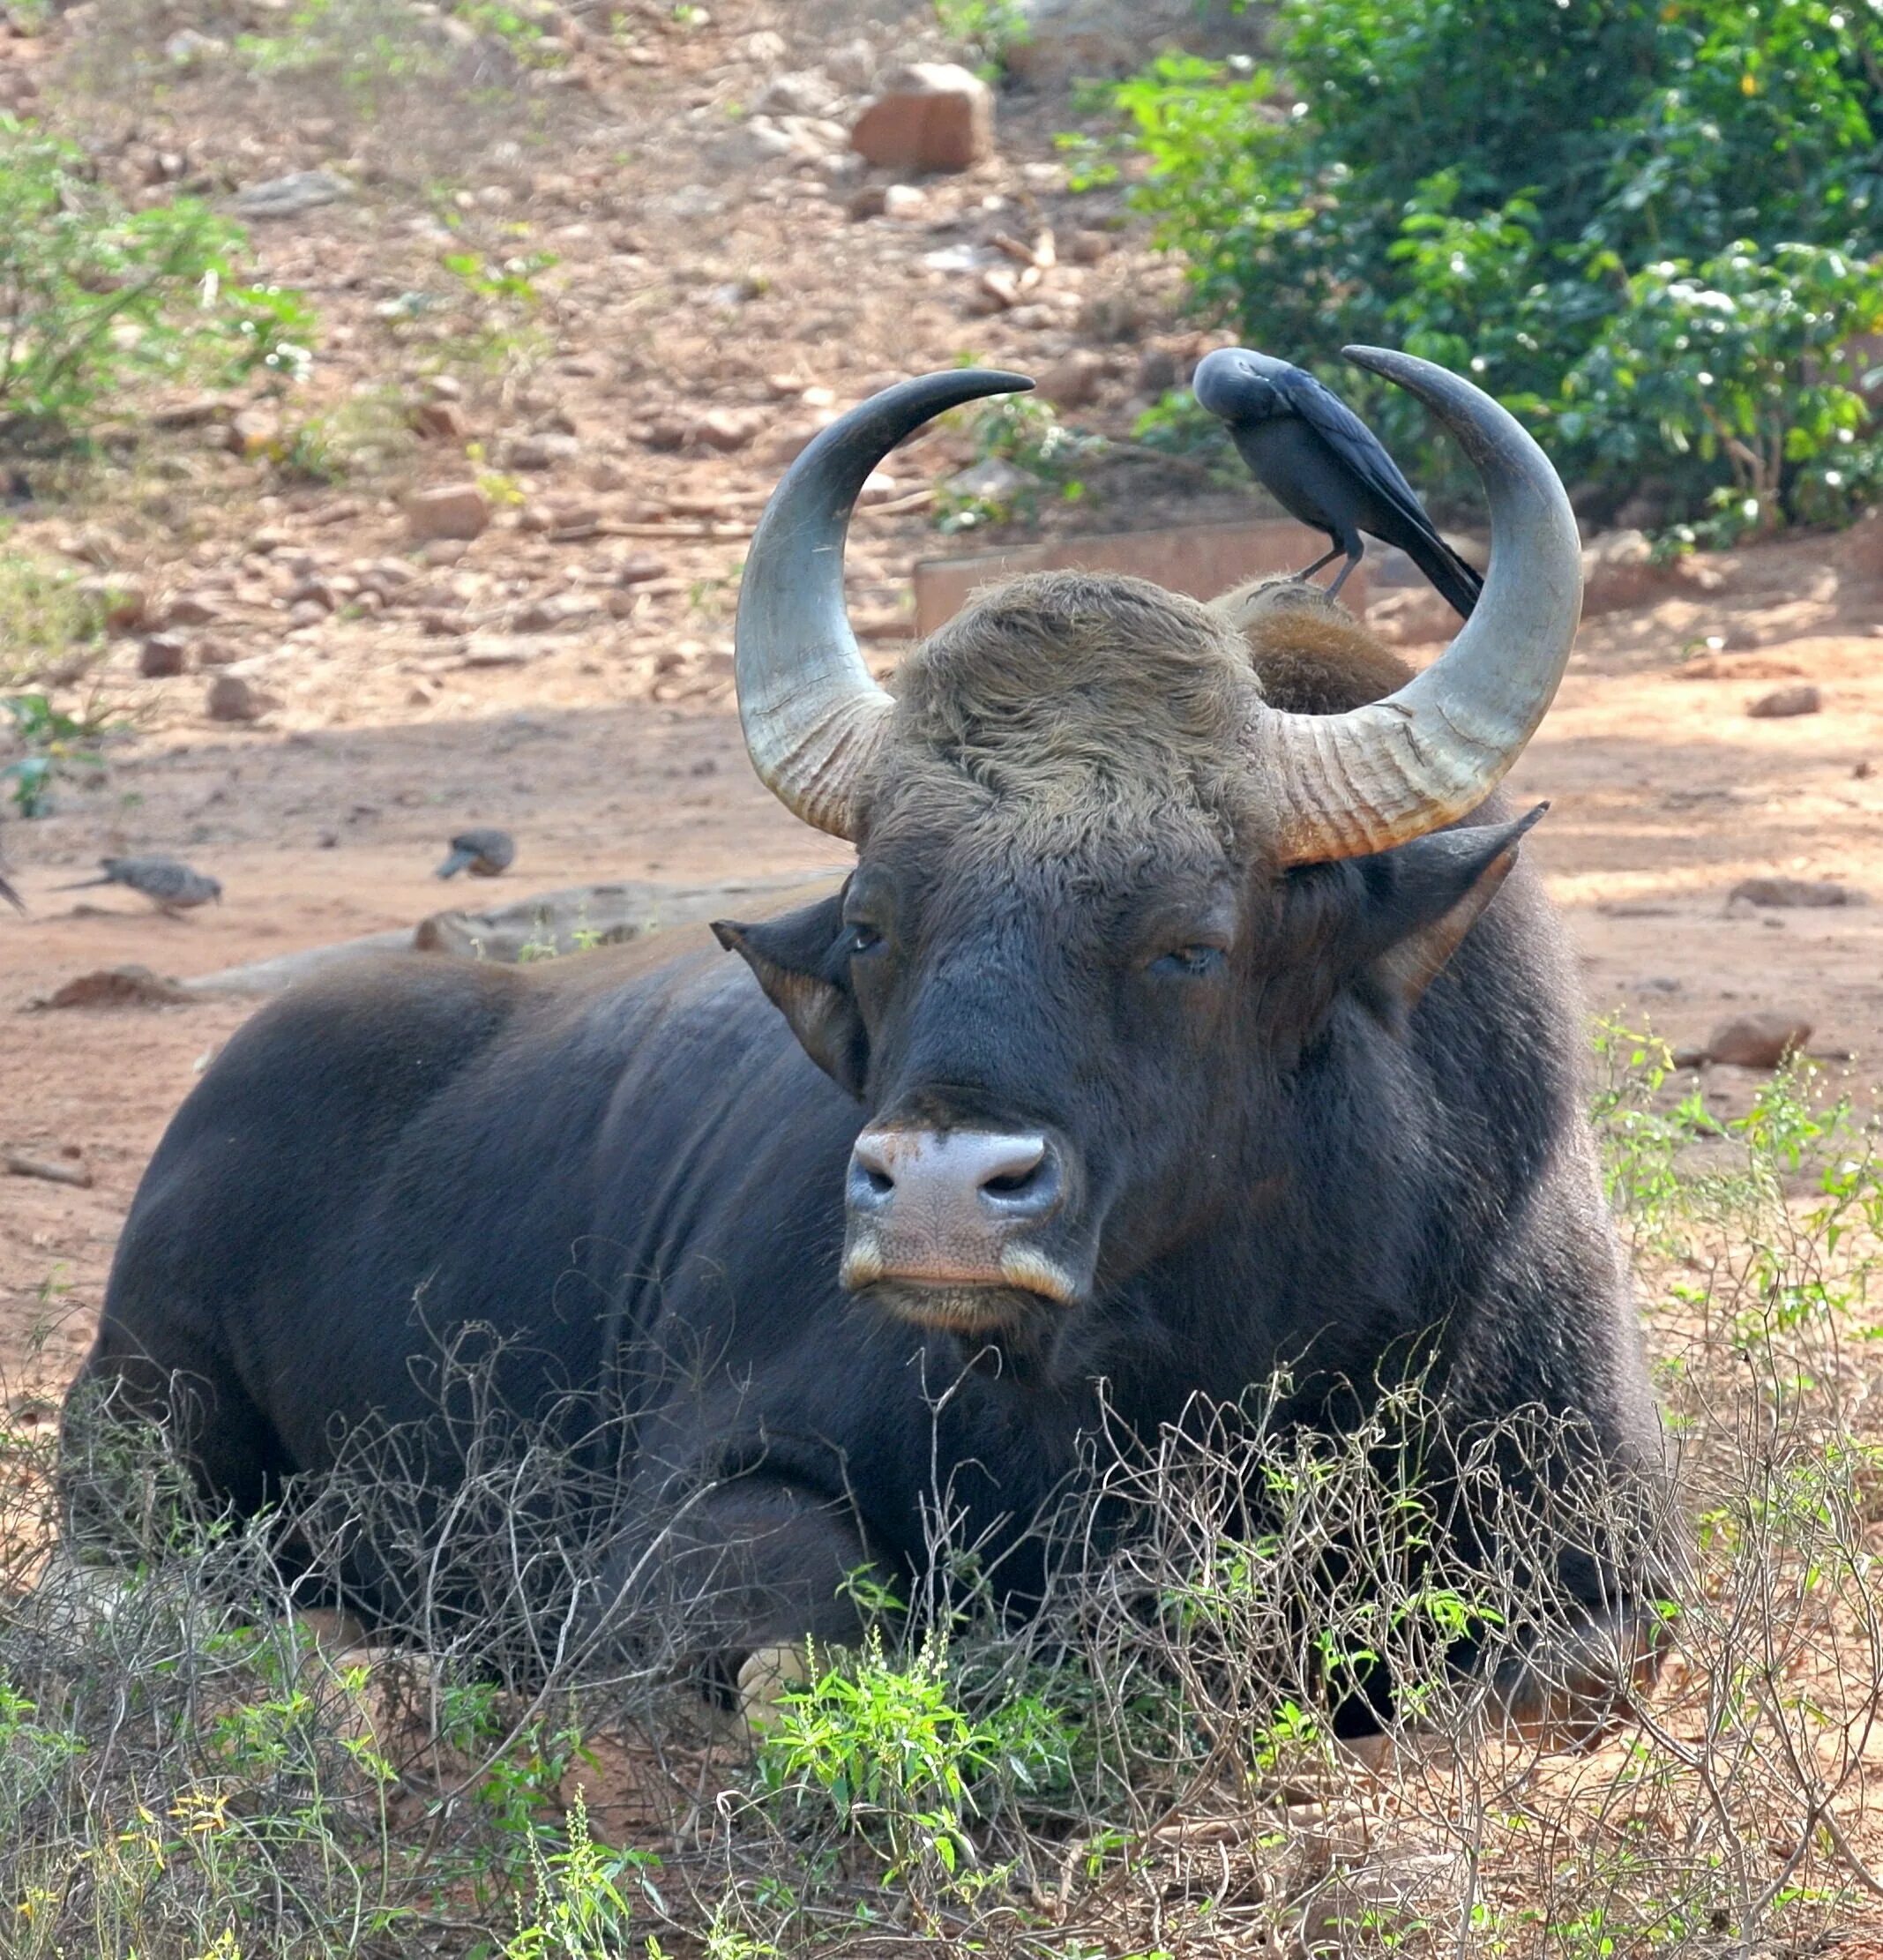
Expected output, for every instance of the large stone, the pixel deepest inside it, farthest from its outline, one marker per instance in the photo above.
(1758, 1041)
(930, 115)
(162, 655)
(1784, 702)
(292, 196)
(449, 511)
(232, 698)
(1619, 572)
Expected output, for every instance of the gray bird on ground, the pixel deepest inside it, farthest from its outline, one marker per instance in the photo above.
(1324, 466)
(483, 853)
(170, 885)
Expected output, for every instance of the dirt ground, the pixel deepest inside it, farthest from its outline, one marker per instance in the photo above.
(606, 740)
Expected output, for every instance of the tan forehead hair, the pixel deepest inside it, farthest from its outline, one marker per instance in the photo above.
(1074, 689)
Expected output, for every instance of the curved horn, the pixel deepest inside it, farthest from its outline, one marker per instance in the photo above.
(813, 717)
(1347, 784)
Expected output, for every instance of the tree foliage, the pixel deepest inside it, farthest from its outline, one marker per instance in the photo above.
(1650, 223)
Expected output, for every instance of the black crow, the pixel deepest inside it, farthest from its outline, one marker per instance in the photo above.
(1324, 466)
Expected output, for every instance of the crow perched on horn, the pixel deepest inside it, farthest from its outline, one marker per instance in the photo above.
(1324, 466)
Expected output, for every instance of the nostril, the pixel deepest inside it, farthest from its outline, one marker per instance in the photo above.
(878, 1184)
(1022, 1178)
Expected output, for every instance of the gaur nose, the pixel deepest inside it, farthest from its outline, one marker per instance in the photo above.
(964, 1181)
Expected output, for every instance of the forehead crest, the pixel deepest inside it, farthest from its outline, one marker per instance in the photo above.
(1063, 681)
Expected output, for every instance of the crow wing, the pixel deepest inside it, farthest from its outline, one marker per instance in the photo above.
(1362, 453)
(1353, 443)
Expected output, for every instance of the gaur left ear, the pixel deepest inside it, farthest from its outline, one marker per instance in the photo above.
(800, 960)
(1424, 897)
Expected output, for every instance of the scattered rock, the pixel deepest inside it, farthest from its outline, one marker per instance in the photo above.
(1074, 380)
(903, 201)
(638, 567)
(809, 91)
(190, 49)
(127, 986)
(162, 655)
(1087, 248)
(188, 609)
(450, 510)
(252, 432)
(543, 451)
(52, 1170)
(1758, 1041)
(993, 480)
(233, 699)
(292, 196)
(556, 614)
(1788, 892)
(728, 428)
(930, 115)
(851, 64)
(1619, 572)
(440, 421)
(120, 602)
(1785, 701)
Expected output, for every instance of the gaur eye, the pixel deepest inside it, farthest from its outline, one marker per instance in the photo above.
(860, 937)
(1192, 961)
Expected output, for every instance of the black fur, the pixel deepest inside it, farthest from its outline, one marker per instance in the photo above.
(1350, 1143)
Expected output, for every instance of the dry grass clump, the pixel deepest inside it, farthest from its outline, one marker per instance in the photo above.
(1149, 1768)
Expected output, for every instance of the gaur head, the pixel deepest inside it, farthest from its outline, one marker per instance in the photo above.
(1106, 895)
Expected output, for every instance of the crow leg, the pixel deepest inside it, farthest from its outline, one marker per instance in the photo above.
(1326, 557)
(1356, 551)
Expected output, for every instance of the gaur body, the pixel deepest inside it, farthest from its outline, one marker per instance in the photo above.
(1088, 1084)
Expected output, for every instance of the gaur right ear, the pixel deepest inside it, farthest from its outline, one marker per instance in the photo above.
(802, 962)
(1431, 895)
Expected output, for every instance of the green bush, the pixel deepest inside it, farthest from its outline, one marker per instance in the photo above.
(1647, 223)
(94, 297)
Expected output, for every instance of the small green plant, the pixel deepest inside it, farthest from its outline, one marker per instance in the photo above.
(362, 435)
(989, 30)
(1027, 435)
(503, 301)
(93, 296)
(886, 1744)
(56, 744)
(1649, 226)
(580, 1910)
(47, 622)
(1740, 360)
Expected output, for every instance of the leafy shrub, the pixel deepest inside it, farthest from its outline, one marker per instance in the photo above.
(1646, 223)
(93, 296)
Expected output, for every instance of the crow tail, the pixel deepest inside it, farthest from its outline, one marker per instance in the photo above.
(1457, 583)
(85, 885)
(12, 896)
(455, 862)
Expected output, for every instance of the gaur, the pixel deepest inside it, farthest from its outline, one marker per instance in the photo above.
(1187, 1017)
